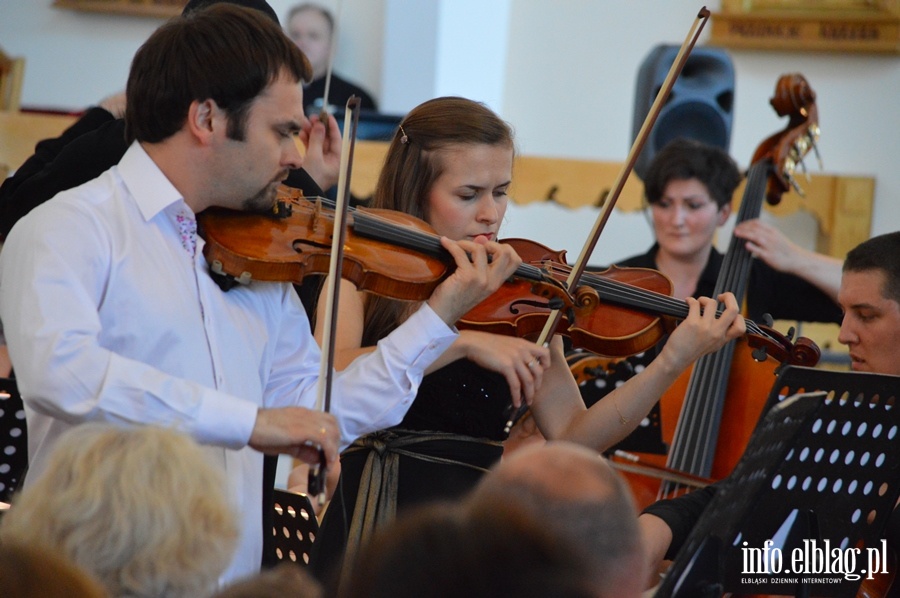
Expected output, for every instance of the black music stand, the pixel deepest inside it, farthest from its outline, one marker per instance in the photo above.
(294, 527)
(13, 439)
(822, 465)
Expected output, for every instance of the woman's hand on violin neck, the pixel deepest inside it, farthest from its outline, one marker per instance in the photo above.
(521, 362)
(702, 332)
(481, 267)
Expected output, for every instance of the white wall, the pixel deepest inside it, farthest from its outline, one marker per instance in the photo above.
(570, 92)
(568, 87)
(74, 59)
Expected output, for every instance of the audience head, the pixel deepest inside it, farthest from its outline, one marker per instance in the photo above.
(577, 495)
(684, 159)
(441, 550)
(260, 5)
(311, 26)
(141, 509)
(870, 298)
(224, 53)
(285, 580)
(32, 572)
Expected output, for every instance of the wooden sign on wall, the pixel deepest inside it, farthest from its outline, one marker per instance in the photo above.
(871, 26)
(145, 8)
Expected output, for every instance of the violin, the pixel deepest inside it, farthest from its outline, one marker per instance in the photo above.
(618, 312)
(387, 253)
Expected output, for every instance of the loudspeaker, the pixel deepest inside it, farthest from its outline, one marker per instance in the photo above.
(699, 107)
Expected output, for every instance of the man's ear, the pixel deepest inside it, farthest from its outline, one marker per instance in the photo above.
(724, 213)
(200, 119)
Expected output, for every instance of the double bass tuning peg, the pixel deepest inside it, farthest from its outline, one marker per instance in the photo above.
(794, 184)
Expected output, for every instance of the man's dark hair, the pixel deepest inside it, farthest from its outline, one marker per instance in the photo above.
(684, 159)
(225, 53)
(260, 5)
(879, 253)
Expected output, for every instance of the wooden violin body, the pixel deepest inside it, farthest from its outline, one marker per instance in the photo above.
(286, 249)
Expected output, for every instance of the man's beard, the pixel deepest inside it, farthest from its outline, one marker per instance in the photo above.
(264, 200)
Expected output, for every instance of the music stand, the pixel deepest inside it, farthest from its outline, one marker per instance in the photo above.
(822, 465)
(294, 527)
(13, 439)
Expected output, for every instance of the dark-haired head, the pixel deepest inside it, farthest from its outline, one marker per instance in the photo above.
(225, 53)
(879, 253)
(684, 159)
(260, 5)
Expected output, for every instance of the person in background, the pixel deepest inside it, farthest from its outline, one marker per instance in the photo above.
(689, 188)
(869, 296)
(97, 141)
(143, 510)
(311, 26)
(111, 313)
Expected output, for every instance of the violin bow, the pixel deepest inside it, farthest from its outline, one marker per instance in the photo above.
(323, 115)
(613, 196)
(316, 482)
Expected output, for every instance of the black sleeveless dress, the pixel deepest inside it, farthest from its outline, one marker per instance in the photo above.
(449, 437)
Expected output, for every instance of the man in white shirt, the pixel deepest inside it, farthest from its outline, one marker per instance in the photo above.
(110, 313)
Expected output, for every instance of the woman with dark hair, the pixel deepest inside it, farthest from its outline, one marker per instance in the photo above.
(689, 187)
(450, 163)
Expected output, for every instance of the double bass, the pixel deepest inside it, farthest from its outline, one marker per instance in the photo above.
(705, 433)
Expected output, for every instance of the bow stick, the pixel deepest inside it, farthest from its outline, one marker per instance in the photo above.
(323, 115)
(316, 482)
(613, 195)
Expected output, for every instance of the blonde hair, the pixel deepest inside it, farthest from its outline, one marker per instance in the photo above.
(142, 509)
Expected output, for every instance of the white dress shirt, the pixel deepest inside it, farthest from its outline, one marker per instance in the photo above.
(109, 318)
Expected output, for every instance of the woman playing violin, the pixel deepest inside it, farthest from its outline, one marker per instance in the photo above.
(450, 163)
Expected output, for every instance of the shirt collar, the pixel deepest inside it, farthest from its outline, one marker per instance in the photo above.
(152, 191)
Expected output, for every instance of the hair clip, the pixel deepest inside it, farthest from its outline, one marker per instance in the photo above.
(403, 137)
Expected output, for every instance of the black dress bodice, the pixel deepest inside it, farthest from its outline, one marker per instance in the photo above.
(461, 398)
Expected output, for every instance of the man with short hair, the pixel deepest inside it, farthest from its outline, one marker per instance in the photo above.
(110, 311)
(869, 296)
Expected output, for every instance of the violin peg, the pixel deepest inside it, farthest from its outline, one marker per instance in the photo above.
(767, 320)
(759, 354)
(790, 334)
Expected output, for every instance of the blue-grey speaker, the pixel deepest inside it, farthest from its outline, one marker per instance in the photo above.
(700, 106)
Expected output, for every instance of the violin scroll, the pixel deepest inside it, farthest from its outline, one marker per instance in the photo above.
(770, 342)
